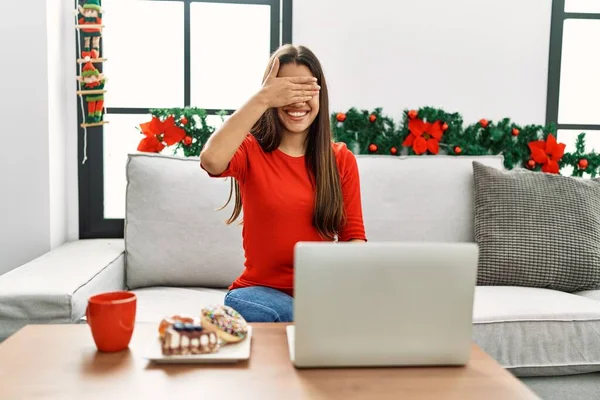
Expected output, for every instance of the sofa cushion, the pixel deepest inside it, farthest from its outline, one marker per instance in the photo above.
(173, 234)
(424, 198)
(154, 303)
(537, 230)
(537, 332)
(54, 288)
(590, 294)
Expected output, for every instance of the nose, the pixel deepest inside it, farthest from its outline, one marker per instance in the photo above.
(298, 105)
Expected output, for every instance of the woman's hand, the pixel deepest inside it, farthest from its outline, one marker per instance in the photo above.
(280, 92)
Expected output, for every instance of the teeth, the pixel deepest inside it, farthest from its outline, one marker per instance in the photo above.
(297, 113)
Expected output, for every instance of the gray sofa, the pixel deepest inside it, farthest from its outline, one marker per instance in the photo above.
(179, 255)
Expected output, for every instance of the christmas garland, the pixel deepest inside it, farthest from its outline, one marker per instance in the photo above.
(424, 131)
(184, 130)
(434, 131)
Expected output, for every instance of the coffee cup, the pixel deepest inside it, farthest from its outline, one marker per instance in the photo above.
(111, 317)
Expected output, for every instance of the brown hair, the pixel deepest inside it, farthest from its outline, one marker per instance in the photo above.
(320, 160)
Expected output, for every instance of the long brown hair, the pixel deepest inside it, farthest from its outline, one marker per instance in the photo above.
(328, 216)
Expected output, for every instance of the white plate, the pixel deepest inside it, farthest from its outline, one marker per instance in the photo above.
(229, 353)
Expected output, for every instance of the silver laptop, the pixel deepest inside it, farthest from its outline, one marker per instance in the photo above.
(382, 304)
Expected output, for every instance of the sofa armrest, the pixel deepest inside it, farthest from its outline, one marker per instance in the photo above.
(54, 288)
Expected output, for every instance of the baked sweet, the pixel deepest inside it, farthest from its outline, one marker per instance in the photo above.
(168, 322)
(229, 324)
(184, 339)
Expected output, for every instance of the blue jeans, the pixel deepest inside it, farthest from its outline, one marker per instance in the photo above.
(261, 304)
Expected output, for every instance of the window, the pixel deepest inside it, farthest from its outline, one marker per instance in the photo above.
(573, 78)
(169, 53)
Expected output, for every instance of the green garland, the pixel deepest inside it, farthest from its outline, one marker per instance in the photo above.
(373, 132)
(195, 127)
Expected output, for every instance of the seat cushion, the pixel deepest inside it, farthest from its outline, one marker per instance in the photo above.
(537, 332)
(590, 294)
(154, 303)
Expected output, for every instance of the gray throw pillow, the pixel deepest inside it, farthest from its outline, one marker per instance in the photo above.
(536, 229)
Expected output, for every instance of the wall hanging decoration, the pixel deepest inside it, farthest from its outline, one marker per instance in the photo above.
(92, 84)
(181, 130)
(431, 131)
(88, 22)
(426, 131)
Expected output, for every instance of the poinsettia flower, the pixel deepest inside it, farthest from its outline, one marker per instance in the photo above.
(151, 144)
(160, 134)
(424, 136)
(547, 153)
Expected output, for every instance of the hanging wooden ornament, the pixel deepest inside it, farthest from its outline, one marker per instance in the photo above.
(90, 24)
(92, 84)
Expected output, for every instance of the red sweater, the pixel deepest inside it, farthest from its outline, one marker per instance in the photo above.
(278, 206)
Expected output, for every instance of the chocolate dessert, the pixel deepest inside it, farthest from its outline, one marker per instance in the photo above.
(183, 339)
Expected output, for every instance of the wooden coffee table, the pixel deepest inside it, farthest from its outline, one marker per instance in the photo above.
(61, 362)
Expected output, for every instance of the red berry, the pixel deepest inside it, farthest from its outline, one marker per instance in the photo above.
(583, 163)
(531, 164)
(412, 114)
(394, 150)
(457, 150)
(184, 120)
(341, 117)
(187, 140)
(372, 118)
(445, 127)
(515, 132)
(484, 123)
(372, 148)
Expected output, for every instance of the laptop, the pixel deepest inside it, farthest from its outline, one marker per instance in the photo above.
(382, 304)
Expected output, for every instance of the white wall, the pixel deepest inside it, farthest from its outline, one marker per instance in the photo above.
(62, 115)
(479, 58)
(25, 226)
(34, 108)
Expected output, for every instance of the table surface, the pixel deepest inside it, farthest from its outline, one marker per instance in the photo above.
(61, 362)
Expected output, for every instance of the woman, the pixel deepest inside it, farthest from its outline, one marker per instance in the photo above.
(295, 183)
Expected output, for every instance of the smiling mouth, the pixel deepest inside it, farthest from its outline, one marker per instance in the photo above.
(297, 114)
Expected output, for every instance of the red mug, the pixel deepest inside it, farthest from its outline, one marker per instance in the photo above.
(111, 317)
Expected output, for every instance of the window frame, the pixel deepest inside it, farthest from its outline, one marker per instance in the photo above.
(559, 15)
(92, 223)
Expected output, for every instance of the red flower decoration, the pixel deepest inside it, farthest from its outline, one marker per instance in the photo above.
(187, 140)
(372, 118)
(394, 150)
(484, 123)
(160, 133)
(445, 127)
(341, 117)
(373, 148)
(424, 136)
(184, 120)
(547, 153)
(515, 132)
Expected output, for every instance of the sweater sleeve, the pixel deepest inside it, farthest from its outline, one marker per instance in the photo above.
(238, 166)
(353, 228)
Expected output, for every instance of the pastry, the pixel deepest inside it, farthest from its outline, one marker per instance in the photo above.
(184, 339)
(168, 322)
(229, 324)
